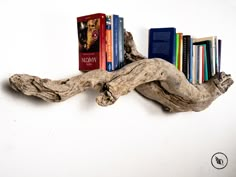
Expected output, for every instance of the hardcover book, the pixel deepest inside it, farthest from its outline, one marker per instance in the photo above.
(92, 42)
(162, 44)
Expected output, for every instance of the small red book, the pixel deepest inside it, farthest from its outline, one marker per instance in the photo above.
(92, 41)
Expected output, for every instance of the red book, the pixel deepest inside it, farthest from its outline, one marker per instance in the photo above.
(92, 41)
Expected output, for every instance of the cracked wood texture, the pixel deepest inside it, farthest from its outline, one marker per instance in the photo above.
(155, 79)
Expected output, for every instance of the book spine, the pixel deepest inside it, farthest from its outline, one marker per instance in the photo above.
(213, 57)
(200, 64)
(209, 56)
(191, 61)
(115, 36)
(173, 59)
(197, 63)
(219, 54)
(216, 54)
(108, 43)
(184, 69)
(177, 51)
(205, 63)
(186, 55)
(121, 42)
(180, 51)
(203, 67)
(102, 52)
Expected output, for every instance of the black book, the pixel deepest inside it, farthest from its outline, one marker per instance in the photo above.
(186, 54)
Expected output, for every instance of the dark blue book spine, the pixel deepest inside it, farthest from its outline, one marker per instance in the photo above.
(116, 41)
(121, 42)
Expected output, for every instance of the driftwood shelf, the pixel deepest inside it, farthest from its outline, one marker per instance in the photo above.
(155, 79)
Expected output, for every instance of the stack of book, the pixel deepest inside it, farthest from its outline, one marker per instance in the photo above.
(198, 58)
(101, 42)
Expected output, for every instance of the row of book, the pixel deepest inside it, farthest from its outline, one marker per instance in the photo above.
(101, 42)
(198, 58)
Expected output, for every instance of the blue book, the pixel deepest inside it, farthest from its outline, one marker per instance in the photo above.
(121, 42)
(115, 36)
(162, 43)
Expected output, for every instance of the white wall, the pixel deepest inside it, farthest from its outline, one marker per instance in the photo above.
(133, 137)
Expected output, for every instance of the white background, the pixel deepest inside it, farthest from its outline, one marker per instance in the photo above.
(133, 137)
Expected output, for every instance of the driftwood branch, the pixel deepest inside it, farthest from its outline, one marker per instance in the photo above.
(155, 79)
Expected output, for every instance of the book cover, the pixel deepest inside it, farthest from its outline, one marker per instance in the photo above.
(92, 42)
(162, 44)
(121, 42)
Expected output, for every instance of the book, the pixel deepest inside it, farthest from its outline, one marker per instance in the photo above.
(200, 65)
(219, 54)
(180, 57)
(191, 61)
(186, 55)
(115, 40)
(92, 42)
(162, 43)
(208, 65)
(177, 50)
(205, 62)
(194, 65)
(213, 50)
(121, 42)
(108, 44)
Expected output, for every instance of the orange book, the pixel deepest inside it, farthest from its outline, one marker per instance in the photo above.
(108, 43)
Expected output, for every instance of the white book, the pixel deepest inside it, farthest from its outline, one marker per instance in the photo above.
(200, 65)
(216, 54)
(194, 76)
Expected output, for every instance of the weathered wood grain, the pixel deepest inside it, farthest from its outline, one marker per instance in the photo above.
(155, 79)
